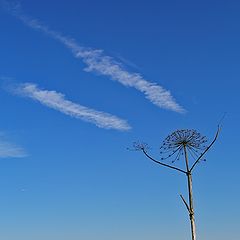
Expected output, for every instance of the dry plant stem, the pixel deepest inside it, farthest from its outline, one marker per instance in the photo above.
(190, 197)
(215, 138)
(163, 164)
(188, 173)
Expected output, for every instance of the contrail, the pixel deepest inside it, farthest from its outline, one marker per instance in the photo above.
(10, 150)
(96, 61)
(58, 102)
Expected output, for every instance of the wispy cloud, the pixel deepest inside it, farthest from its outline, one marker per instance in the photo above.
(10, 150)
(58, 102)
(97, 61)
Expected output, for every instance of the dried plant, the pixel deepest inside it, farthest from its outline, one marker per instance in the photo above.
(186, 144)
(173, 145)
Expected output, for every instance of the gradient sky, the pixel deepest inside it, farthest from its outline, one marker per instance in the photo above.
(65, 176)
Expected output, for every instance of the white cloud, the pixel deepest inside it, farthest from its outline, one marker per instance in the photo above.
(58, 102)
(8, 150)
(97, 62)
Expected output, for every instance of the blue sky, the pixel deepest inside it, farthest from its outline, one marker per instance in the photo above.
(80, 81)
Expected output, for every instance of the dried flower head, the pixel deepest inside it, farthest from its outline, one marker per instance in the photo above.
(174, 144)
(139, 146)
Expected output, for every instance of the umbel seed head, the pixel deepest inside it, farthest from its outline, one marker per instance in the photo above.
(175, 143)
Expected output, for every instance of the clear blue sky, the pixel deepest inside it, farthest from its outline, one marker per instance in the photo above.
(64, 178)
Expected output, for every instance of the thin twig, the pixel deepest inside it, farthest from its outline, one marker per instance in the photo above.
(163, 164)
(184, 201)
(215, 138)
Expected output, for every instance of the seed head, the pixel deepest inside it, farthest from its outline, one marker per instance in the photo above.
(174, 144)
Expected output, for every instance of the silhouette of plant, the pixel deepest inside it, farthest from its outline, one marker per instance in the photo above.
(186, 144)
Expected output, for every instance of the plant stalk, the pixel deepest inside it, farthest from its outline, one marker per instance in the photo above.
(190, 197)
(191, 209)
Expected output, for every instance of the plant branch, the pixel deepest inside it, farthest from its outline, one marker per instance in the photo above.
(184, 201)
(215, 138)
(163, 164)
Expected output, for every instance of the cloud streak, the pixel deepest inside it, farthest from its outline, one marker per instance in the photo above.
(10, 150)
(97, 62)
(58, 102)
